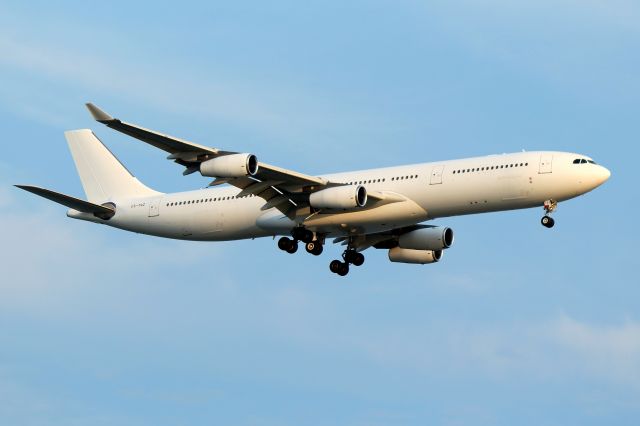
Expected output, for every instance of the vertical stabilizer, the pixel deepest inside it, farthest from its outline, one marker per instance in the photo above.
(103, 176)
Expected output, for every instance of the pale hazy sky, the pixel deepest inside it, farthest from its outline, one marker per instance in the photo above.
(517, 325)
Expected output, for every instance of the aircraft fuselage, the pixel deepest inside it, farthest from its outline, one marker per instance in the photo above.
(426, 191)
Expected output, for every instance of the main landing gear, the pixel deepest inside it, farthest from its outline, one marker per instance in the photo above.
(290, 245)
(313, 244)
(350, 256)
(549, 207)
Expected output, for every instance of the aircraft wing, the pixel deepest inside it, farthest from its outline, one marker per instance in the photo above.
(190, 154)
(167, 143)
(279, 187)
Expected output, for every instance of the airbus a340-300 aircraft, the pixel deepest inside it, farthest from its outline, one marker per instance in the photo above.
(381, 208)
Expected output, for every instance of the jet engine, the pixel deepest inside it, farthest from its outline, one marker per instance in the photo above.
(434, 238)
(339, 197)
(232, 165)
(421, 257)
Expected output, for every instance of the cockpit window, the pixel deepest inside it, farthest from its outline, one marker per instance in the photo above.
(583, 161)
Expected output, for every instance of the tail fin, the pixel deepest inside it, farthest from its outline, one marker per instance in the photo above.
(103, 177)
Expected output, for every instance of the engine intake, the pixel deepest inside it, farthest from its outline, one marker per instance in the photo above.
(420, 257)
(339, 197)
(232, 165)
(435, 238)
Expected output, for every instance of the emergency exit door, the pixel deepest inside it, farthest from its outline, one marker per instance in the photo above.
(154, 207)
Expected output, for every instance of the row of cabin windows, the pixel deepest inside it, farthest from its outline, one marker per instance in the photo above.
(207, 200)
(404, 177)
(583, 161)
(483, 169)
(360, 182)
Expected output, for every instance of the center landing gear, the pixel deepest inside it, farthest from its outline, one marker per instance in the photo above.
(350, 256)
(549, 207)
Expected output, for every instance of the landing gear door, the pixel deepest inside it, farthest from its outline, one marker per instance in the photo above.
(436, 175)
(154, 207)
(546, 161)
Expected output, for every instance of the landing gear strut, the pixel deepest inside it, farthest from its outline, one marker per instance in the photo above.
(302, 234)
(549, 207)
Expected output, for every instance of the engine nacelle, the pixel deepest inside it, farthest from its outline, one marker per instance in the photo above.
(421, 257)
(232, 165)
(436, 238)
(339, 197)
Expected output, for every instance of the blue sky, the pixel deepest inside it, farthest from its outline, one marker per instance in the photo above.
(517, 324)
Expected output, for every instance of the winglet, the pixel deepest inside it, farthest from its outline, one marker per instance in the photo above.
(97, 113)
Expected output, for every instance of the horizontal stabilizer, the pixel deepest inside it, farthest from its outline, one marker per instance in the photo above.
(97, 210)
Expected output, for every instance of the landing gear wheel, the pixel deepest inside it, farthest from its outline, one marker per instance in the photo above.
(343, 269)
(314, 247)
(293, 247)
(358, 259)
(334, 266)
(284, 243)
(353, 257)
(349, 255)
(547, 221)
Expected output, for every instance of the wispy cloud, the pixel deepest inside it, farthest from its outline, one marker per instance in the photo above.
(553, 349)
(46, 257)
(276, 108)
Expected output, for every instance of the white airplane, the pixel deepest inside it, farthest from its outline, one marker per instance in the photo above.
(381, 208)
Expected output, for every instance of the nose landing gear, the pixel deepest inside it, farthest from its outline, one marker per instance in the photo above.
(549, 207)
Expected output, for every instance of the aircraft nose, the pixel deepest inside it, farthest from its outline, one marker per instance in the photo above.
(600, 175)
(603, 175)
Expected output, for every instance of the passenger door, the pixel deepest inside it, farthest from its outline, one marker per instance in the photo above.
(546, 161)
